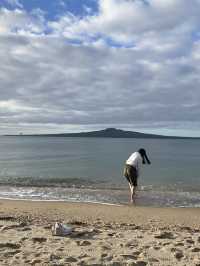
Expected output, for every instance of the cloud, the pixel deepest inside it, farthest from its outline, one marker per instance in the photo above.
(62, 3)
(135, 65)
(126, 21)
(21, 22)
(14, 3)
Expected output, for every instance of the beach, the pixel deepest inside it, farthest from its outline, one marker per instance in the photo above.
(101, 234)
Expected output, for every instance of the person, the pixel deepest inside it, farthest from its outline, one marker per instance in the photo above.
(132, 169)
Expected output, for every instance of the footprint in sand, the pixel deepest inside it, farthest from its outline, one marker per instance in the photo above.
(136, 253)
(10, 245)
(70, 259)
(153, 260)
(157, 247)
(39, 239)
(23, 239)
(190, 241)
(131, 243)
(141, 263)
(24, 229)
(173, 249)
(111, 233)
(11, 253)
(107, 257)
(53, 257)
(164, 235)
(179, 255)
(85, 243)
(35, 261)
(195, 249)
(106, 247)
(128, 256)
(83, 256)
(103, 255)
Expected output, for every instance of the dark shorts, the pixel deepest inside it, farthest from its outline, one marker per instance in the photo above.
(131, 174)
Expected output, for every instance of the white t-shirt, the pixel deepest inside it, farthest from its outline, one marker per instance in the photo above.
(135, 160)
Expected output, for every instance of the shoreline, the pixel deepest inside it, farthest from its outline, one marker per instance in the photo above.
(97, 203)
(189, 216)
(66, 201)
(144, 198)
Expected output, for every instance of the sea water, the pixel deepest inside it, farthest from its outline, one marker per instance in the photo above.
(91, 170)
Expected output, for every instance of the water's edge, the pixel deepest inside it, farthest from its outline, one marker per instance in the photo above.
(151, 198)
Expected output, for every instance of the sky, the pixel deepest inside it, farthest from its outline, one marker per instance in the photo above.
(81, 65)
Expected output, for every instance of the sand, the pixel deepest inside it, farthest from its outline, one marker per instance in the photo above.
(102, 234)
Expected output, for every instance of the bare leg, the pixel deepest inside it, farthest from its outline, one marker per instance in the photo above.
(133, 194)
(132, 189)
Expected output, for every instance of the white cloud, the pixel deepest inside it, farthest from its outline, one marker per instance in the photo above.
(62, 3)
(14, 106)
(126, 21)
(14, 3)
(19, 21)
(88, 9)
(47, 81)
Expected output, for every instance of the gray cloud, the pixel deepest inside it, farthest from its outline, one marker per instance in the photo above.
(50, 85)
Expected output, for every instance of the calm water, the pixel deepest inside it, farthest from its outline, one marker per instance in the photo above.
(90, 169)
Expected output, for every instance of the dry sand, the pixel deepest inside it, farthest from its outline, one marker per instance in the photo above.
(102, 235)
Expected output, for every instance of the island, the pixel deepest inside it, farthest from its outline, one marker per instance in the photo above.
(108, 133)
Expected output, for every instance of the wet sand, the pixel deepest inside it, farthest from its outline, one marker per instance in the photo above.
(102, 234)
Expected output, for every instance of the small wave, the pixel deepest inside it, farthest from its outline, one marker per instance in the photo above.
(57, 200)
(86, 190)
(46, 182)
(116, 197)
(86, 183)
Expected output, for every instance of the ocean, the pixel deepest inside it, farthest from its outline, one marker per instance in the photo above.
(91, 170)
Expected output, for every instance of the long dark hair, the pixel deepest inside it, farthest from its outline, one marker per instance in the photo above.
(143, 154)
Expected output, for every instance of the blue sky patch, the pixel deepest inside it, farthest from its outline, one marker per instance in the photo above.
(54, 9)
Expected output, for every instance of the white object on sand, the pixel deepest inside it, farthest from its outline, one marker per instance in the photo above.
(59, 229)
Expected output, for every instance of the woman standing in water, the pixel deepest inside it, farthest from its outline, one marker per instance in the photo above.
(132, 169)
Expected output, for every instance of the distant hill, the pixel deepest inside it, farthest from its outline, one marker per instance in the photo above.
(111, 133)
